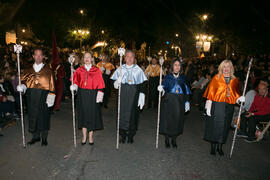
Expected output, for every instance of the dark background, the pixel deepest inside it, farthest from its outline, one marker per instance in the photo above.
(244, 25)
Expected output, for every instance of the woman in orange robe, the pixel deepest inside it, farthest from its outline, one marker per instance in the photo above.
(222, 93)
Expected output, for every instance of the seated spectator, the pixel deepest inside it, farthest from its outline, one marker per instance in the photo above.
(258, 112)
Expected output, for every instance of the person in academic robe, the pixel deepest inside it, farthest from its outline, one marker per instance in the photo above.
(88, 83)
(152, 71)
(38, 83)
(222, 94)
(133, 89)
(174, 104)
(106, 68)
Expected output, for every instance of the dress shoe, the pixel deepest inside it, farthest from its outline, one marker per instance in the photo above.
(130, 139)
(219, 150)
(213, 149)
(122, 140)
(167, 142)
(174, 145)
(83, 143)
(33, 141)
(44, 143)
(91, 143)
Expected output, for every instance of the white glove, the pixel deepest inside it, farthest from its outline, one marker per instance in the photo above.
(241, 99)
(141, 100)
(187, 106)
(100, 96)
(108, 72)
(208, 106)
(102, 68)
(117, 83)
(161, 89)
(73, 87)
(21, 88)
(50, 100)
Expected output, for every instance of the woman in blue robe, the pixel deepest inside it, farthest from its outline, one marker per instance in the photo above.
(174, 104)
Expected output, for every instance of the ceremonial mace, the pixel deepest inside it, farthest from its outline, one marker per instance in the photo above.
(121, 53)
(241, 106)
(71, 60)
(18, 50)
(161, 61)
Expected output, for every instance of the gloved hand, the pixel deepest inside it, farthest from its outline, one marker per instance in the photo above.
(117, 83)
(241, 99)
(74, 87)
(208, 106)
(21, 88)
(50, 100)
(141, 100)
(161, 89)
(108, 72)
(187, 106)
(100, 96)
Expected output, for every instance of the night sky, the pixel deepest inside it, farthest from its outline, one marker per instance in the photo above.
(153, 21)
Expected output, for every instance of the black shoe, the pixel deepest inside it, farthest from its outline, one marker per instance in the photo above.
(167, 142)
(33, 141)
(174, 145)
(250, 140)
(130, 139)
(91, 144)
(105, 106)
(44, 143)
(219, 150)
(213, 149)
(83, 143)
(122, 140)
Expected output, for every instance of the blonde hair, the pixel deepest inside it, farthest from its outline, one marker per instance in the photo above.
(221, 66)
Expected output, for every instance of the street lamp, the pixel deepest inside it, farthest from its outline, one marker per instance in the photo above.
(81, 12)
(102, 32)
(80, 34)
(176, 35)
(23, 30)
(205, 17)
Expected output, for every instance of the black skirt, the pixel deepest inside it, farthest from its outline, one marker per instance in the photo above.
(217, 125)
(129, 111)
(38, 111)
(88, 111)
(172, 114)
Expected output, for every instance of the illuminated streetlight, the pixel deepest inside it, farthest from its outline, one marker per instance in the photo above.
(102, 32)
(197, 37)
(176, 35)
(23, 30)
(205, 16)
(81, 11)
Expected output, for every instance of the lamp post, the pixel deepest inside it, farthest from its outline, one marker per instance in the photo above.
(81, 34)
(203, 42)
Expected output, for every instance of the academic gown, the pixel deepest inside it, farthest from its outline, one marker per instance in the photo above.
(223, 97)
(172, 109)
(39, 85)
(88, 111)
(133, 83)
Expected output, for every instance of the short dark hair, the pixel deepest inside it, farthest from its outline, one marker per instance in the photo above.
(130, 51)
(174, 61)
(37, 49)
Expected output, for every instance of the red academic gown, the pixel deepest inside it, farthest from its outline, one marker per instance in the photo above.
(88, 111)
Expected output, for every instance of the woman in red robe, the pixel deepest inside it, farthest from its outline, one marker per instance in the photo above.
(88, 83)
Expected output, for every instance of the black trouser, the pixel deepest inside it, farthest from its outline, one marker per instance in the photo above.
(124, 133)
(243, 123)
(153, 92)
(44, 135)
(252, 121)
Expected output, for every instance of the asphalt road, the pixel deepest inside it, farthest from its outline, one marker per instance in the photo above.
(60, 160)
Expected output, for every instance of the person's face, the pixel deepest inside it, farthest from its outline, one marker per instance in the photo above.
(176, 67)
(87, 59)
(38, 56)
(129, 58)
(262, 89)
(226, 68)
(154, 61)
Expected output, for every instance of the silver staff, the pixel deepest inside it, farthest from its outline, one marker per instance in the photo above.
(71, 60)
(240, 110)
(161, 61)
(121, 53)
(18, 50)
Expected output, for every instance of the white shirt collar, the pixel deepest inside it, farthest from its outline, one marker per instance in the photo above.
(88, 67)
(38, 67)
(129, 66)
